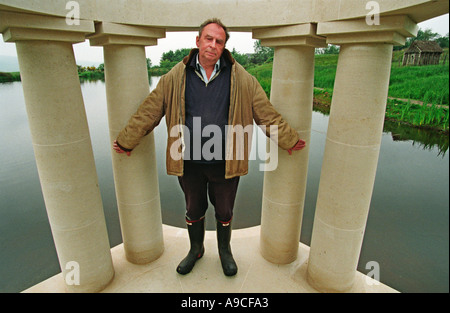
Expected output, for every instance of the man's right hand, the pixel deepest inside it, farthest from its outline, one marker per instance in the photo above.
(118, 149)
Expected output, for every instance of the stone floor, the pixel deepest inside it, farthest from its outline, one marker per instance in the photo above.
(255, 275)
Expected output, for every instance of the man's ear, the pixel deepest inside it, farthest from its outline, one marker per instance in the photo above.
(197, 41)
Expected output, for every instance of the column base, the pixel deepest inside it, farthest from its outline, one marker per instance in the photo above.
(143, 257)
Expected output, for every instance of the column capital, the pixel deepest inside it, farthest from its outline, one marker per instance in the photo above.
(22, 26)
(107, 33)
(291, 35)
(390, 29)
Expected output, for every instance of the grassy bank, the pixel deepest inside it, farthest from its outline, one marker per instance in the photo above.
(427, 84)
(9, 77)
(91, 75)
(424, 116)
(432, 116)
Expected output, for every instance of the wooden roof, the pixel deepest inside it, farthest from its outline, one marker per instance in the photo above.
(424, 46)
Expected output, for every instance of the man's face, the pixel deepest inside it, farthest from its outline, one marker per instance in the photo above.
(211, 44)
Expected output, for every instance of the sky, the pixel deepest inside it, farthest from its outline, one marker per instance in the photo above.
(241, 41)
(89, 55)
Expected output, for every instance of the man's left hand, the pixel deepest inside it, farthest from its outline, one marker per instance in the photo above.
(298, 146)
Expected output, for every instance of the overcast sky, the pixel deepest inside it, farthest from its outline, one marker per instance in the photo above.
(242, 42)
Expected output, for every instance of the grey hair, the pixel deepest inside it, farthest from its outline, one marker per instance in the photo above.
(214, 21)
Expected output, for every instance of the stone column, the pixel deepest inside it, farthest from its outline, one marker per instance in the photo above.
(62, 147)
(292, 96)
(352, 146)
(136, 176)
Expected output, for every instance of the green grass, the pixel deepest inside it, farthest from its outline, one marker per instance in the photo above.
(9, 77)
(428, 84)
(325, 70)
(433, 116)
(91, 75)
(263, 74)
(425, 83)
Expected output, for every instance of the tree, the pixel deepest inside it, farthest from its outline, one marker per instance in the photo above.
(262, 54)
(443, 41)
(331, 49)
(426, 35)
(167, 56)
(170, 58)
(242, 59)
(176, 56)
(81, 69)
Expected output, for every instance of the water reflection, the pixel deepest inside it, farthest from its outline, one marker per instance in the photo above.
(427, 139)
(424, 138)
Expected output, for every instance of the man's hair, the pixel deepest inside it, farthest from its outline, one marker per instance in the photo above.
(214, 21)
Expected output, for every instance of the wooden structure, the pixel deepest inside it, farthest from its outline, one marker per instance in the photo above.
(422, 53)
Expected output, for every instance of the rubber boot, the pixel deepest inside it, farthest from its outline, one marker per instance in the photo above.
(223, 242)
(196, 231)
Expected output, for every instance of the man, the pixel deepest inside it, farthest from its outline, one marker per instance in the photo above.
(207, 88)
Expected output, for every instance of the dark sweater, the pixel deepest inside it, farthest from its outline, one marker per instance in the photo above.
(209, 102)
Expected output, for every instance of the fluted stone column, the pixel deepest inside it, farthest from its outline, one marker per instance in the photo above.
(352, 147)
(292, 96)
(135, 176)
(62, 147)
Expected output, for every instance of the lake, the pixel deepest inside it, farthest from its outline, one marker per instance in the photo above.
(407, 229)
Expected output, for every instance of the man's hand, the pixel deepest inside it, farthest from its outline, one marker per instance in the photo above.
(298, 146)
(118, 149)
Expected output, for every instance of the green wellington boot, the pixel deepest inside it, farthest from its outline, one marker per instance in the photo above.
(196, 231)
(223, 241)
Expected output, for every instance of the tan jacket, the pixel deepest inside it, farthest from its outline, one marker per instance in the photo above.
(248, 101)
